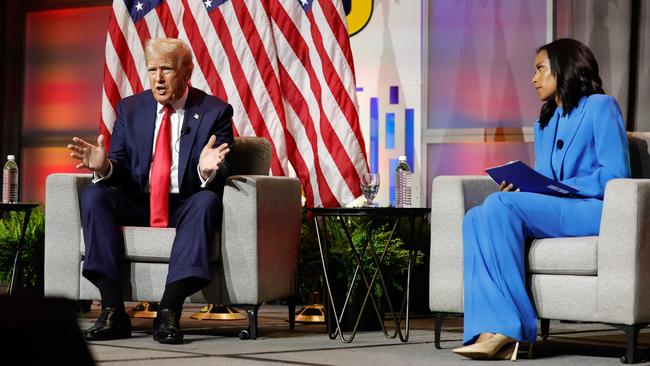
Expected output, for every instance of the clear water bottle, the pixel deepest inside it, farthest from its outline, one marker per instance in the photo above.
(10, 181)
(403, 183)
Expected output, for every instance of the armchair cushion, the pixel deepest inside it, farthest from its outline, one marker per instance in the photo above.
(144, 244)
(564, 256)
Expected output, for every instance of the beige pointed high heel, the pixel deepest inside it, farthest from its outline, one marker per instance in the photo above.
(485, 350)
(511, 352)
(507, 352)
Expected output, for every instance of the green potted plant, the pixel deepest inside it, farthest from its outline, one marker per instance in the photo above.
(31, 260)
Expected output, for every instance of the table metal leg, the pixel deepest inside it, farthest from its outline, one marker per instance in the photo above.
(382, 282)
(322, 246)
(21, 243)
(413, 247)
(397, 319)
(358, 256)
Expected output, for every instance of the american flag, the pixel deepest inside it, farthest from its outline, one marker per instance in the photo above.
(284, 65)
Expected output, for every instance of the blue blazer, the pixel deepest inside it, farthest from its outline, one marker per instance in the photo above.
(594, 149)
(133, 136)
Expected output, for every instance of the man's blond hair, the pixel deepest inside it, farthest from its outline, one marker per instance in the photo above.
(173, 48)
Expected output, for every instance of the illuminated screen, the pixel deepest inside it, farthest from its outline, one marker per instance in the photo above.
(64, 62)
(481, 62)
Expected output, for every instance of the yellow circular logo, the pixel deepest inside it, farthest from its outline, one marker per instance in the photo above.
(358, 13)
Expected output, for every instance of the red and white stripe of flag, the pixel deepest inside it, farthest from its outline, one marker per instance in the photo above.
(287, 72)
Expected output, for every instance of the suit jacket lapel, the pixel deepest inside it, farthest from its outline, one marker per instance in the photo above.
(146, 120)
(572, 125)
(548, 144)
(191, 122)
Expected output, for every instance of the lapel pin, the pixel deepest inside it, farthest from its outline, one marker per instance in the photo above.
(196, 116)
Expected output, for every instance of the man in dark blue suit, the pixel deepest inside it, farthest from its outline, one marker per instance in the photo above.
(166, 167)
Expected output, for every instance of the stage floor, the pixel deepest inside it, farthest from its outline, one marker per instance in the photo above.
(210, 342)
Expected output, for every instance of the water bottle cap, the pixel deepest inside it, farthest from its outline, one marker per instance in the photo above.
(402, 158)
(11, 157)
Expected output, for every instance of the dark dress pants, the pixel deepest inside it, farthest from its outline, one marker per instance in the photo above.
(104, 210)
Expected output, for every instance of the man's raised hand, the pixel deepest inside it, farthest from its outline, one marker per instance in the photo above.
(90, 156)
(211, 157)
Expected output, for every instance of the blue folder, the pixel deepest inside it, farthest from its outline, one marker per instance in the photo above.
(528, 179)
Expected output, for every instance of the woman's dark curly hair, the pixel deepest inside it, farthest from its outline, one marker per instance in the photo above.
(576, 72)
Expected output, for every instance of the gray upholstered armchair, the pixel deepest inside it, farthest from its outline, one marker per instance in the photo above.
(604, 279)
(254, 258)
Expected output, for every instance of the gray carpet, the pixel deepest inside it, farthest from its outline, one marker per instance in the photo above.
(216, 343)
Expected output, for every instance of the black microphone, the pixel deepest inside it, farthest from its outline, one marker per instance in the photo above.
(559, 144)
(184, 131)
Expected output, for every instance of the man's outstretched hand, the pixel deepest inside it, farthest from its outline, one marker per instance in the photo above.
(92, 157)
(212, 157)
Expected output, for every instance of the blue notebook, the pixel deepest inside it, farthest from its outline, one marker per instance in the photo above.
(528, 179)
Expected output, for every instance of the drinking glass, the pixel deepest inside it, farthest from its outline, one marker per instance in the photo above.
(370, 187)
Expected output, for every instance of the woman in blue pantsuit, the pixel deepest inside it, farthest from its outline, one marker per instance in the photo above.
(580, 140)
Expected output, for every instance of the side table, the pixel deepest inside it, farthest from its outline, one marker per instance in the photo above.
(27, 209)
(393, 216)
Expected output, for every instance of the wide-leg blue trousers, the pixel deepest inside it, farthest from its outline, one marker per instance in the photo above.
(494, 237)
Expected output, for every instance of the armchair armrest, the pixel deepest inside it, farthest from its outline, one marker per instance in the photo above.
(451, 198)
(260, 237)
(63, 234)
(624, 252)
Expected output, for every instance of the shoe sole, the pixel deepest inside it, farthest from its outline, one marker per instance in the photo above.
(475, 355)
(119, 336)
(507, 352)
(169, 340)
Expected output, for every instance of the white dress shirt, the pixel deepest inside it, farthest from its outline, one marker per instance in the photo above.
(176, 120)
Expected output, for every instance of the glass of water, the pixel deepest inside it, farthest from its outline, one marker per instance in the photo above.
(370, 187)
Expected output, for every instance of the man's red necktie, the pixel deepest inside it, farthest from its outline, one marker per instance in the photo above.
(161, 173)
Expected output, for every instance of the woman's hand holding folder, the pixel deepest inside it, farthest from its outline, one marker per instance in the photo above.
(507, 187)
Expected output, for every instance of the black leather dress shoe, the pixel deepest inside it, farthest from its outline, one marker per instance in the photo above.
(111, 324)
(166, 328)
